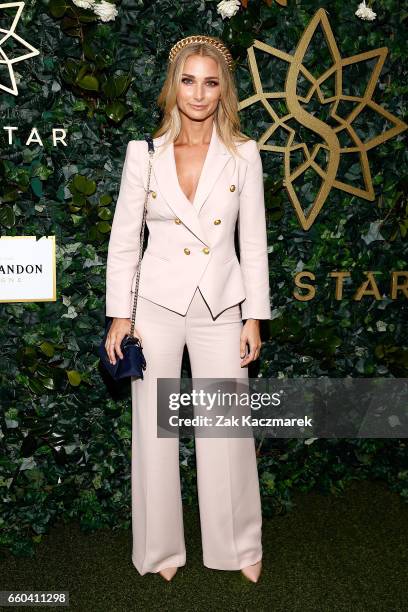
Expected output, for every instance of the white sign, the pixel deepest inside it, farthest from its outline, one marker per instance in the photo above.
(27, 269)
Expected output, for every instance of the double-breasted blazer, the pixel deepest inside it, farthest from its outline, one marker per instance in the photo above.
(191, 245)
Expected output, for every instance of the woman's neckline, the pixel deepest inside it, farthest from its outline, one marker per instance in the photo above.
(201, 172)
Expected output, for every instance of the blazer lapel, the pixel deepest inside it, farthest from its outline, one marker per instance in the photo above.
(164, 168)
(216, 158)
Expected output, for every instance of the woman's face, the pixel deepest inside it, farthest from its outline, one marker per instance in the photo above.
(199, 90)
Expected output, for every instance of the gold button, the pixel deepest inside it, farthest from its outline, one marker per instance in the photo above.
(154, 194)
(187, 251)
(177, 221)
(217, 221)
(206, 250)
(232, 187)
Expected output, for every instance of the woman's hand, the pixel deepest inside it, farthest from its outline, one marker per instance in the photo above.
(117, 331)
(250, 334)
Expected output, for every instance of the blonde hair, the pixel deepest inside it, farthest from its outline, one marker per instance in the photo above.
(226, 117)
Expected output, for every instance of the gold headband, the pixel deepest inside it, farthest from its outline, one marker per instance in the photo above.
(215, 42)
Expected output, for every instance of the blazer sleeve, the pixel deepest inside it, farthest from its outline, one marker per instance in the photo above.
(124, 242)
(253, 240)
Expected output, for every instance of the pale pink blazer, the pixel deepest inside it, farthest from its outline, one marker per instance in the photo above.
(191, 244)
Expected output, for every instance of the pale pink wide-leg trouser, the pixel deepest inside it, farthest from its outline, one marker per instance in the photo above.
(227, 477)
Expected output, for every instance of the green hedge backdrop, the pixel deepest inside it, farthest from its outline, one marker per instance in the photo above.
(65, 438)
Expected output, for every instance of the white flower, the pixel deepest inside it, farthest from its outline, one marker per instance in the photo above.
(105, 11)
(365, 12)
(85, 4)
(228, 8)
(310, 440)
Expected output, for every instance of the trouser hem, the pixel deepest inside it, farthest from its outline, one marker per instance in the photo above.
(232, 565)
(175, 561)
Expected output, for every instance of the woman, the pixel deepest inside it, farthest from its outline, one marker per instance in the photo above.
(192, 291)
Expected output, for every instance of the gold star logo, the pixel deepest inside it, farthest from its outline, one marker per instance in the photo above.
(6, 37)
(328, 138)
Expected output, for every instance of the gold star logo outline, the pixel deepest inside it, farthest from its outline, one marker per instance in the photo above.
(328, 134)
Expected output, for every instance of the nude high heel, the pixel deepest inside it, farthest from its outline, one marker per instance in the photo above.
(252, 572)
(168, 573)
